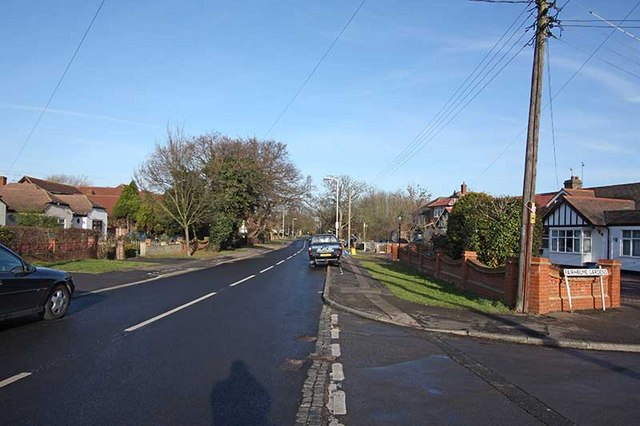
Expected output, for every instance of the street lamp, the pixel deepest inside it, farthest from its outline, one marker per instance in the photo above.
(337, 181)
(399, 231)
(293, 228)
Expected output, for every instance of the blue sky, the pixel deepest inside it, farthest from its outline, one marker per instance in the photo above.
(232, 67)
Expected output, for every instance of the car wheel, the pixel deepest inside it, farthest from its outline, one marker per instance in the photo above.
(57, 303)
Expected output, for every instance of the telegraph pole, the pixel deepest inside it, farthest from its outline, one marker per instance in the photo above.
(531, 158)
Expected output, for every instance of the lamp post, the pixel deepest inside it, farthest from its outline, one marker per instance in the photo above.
(399, 231)
(337, 181)
(293, 228)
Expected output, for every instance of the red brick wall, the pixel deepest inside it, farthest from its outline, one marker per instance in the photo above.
(547, 291)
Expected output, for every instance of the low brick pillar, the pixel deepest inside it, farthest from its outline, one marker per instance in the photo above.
(511, 282)
(466, 257)
(439, 254)
(394, 252)
(539, 286)
(613, 281)
(120, 250)
(51, 245)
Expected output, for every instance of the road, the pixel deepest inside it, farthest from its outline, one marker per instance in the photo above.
(400, 376)
(225, 345)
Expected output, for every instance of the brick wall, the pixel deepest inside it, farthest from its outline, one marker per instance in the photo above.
(547, 291)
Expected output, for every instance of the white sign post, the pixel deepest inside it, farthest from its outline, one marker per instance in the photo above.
(585, 273)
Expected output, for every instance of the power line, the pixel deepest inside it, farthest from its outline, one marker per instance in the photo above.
(616, 26)
(304, 83)
(33, 129)
(459, 96)
(619, 68)
(566, 83)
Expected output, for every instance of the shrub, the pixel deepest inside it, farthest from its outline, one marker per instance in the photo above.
(6, 236)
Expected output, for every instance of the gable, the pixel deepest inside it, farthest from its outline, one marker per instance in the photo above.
(564, 215)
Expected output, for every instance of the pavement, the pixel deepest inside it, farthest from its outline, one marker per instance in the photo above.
(352, 289)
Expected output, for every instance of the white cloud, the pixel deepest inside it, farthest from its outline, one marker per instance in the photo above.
(76, 114)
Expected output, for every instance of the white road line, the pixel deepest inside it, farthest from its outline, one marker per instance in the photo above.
(173, 311)
(280, 263)
(148, 280)
(289, 257)
(266, 269)
(241, 281)
(13, 379)
(335, 349)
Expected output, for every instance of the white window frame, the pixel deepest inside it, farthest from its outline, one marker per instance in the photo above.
(561, 238)
(632, 236)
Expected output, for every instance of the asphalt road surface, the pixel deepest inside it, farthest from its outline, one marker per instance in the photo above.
(226, 345)
(397, 376)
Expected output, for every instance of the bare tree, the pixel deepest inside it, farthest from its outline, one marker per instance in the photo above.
(175, 171)
(79, 180)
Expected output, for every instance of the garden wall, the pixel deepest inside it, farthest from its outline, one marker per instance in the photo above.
(51, 244)
(547, 292)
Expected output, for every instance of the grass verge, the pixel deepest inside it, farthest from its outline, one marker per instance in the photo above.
(95, 266)
(408, 284)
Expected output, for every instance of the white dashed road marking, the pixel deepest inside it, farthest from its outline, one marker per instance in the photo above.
(266, 269)
(280, 263)
(337, 373)
(335, 349)
(13, 379)
(172, 311)
(289, 257)
(241, 281)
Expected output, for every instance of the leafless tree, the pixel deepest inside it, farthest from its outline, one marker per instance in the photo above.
(74, 180)
(175, 171)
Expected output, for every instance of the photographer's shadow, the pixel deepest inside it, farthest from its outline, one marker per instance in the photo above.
(240, 399)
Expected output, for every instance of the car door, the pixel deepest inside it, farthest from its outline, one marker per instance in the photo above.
(19, 292)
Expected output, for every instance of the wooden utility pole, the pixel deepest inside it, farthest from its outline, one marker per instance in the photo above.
(531, 158)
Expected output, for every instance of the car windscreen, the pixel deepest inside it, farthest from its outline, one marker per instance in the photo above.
(324, 239)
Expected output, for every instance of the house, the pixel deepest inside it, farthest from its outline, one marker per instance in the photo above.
(583, 225)
(107, 197)
(29, 198)
(433, 216)
(87, 214)
(66, 202)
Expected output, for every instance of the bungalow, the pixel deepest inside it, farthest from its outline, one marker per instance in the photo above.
(28, 198)
(87, 214)
(66, 202)
(582, 225)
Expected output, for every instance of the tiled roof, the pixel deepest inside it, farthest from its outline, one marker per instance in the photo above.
(27, 197)
(541, 200)
(104, 195)
(52, 187)
(441, 202)
(593, 209)
(627, 191)
(622, 217)
(80, 204)
(581, 192)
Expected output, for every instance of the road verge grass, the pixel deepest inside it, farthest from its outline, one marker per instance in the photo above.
(408, 284)
(95, 266)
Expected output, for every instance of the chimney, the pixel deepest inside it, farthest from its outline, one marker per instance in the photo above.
(3, 180)
(573, 183)
(463, 188)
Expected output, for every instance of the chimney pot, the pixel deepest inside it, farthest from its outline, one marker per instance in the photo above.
(573, 183)
(463, 188)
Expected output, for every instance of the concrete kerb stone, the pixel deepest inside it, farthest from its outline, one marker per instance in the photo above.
(524, 340)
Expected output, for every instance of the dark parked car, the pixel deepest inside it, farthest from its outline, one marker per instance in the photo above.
(324, 248)
(26, 289)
